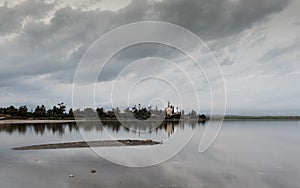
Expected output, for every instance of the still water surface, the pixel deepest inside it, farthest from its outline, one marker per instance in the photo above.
(245, 154)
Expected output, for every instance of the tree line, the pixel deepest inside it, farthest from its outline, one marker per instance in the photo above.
(40, 111)
(60, 111)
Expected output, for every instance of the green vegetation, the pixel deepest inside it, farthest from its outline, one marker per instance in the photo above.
(231, 117)
(40, 112)
(59, 111)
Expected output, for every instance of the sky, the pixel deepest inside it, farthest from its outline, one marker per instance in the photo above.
(252, 46)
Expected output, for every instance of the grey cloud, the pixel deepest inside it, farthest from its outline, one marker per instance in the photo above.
(227, 61)
(279, 51)
(281, 60)
(42, 48)
(296, 22)
(125, 57)
(11, 18)
(55, 48)
(214, 18)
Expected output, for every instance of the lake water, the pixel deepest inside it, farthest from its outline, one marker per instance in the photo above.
(245, 154)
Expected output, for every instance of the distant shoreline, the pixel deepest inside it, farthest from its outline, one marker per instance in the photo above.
(34, 121)
(263, 118)
(226, 118)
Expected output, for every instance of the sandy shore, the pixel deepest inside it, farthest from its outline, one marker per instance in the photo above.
(103, 143)
(28, 121)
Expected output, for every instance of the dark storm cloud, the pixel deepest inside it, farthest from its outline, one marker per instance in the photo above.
(216, 18)
(133, 53)
(51, 47)
(42, 43)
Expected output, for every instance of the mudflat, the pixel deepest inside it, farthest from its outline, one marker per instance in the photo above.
(103, 143)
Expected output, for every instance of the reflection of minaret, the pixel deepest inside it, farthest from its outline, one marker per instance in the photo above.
(169, 110)
(170, 128)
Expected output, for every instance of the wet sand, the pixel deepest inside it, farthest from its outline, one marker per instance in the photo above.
(103, 143)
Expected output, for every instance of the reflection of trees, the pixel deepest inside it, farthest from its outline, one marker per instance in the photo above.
(21, 129)
(97, 126)
(89, 126)
(39, 129)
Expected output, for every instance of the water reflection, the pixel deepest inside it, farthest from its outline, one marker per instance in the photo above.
(113, 126)
(246, 154)
(38, 129)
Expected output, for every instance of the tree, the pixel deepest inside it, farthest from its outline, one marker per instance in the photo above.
(40, 111)
(71, 113)
(23, 111)
(202, 117)
(50, 112)
(11, 110)
(61, 109)
(100, 112)
(55, 111)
